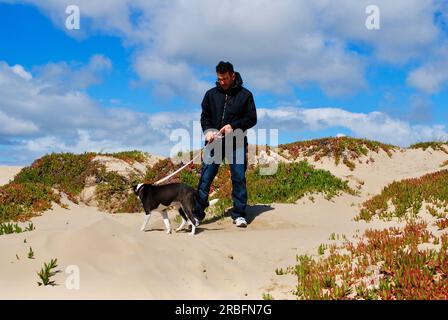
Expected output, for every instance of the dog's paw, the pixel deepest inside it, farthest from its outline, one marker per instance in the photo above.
(168, 231)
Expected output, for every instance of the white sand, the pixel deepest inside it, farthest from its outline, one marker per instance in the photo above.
(7, 173)
(117, 261)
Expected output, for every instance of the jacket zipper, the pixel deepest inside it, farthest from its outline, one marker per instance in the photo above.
(224, 111)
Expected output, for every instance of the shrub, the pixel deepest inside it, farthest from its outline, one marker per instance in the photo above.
(292, 182)
(21, 201)
(66, 172)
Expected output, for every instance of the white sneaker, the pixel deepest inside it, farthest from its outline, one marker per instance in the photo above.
(241, 222)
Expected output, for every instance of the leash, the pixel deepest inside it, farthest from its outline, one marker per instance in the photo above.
(185, 165)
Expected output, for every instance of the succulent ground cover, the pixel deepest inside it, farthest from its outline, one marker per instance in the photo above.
(396, 263)
(343, 149)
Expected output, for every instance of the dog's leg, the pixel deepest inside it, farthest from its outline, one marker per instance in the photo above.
(184, 219)
(193, 228)
(188, 205)
(145, 222)
(192, 221)
(166, 221)
(181, 225)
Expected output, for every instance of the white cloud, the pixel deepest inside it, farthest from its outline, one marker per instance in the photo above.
(13, 126)
(407, 29)
(36, 120)
(276, 44)
(172, 79)
(62, 77)
(432, 75)
(427, 78)
(85, 141)
(20, 71)
(374, 125)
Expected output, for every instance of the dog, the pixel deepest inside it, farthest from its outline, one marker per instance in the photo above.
(160, 198)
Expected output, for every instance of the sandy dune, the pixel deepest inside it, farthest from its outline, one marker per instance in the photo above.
(7, 173)
(118, 261)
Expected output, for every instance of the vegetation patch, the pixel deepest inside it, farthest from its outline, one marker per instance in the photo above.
(32, 189)
(345, 149)
(435, 145)
(8, 228)
(291, 182)
(21, 201)
(129, 156)
(66, 172)
(113, 191)
(384, 264)
(404, 199)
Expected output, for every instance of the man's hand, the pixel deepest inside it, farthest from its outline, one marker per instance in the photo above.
(210, 136)
(226, 130)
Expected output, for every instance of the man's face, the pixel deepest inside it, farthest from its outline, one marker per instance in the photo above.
(226, 80)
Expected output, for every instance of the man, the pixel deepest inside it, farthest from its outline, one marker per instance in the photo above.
(227, 109)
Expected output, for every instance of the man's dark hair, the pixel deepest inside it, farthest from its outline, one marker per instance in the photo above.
(224, 67)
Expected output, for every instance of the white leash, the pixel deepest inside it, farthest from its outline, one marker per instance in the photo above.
(178, 170)
(184, 166)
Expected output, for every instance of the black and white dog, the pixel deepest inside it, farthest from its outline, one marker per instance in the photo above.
(174, 195)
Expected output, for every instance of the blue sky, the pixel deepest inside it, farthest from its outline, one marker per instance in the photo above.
(137, 70)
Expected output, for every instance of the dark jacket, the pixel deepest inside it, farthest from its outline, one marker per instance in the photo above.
(235, 107)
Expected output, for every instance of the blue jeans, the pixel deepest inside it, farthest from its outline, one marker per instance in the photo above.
(238, 167)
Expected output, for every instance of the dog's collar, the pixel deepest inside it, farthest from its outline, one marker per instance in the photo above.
(139, 188)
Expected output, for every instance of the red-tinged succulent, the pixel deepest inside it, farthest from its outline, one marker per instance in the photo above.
(407, 197)
(384, 264)
(442, 223)
(345, 148)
